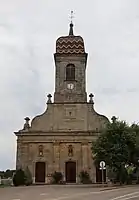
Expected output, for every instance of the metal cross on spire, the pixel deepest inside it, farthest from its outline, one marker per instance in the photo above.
(71, 24)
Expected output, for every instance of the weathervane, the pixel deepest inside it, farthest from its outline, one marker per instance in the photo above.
(71, 24)
(71, 16)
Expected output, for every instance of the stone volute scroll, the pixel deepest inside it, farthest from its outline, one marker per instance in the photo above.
(40, 150)
(91, 98)
(70, 151)
(26, 125)
(49, 98)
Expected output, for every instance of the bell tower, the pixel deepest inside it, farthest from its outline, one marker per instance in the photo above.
(70, 69)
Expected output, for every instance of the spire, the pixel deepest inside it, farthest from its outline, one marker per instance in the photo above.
(71, 24)
(71, 29)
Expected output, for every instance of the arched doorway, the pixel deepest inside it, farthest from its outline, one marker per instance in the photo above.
(70, 172)
(40, 172)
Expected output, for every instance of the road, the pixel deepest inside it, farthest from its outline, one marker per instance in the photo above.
(68, 193)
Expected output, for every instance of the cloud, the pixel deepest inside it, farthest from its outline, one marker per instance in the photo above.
(28, 31)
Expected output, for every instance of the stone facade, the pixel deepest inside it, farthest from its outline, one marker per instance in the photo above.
(63, 134)
(78, 93)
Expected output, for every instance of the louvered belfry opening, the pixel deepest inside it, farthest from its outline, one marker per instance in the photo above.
(70, 72)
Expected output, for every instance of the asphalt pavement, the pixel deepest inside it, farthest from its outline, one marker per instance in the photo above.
(67, 192)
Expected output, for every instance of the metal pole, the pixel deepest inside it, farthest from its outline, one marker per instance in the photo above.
(102, 176)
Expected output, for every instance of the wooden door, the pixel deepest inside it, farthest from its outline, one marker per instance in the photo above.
(70, 172)
(40, 172)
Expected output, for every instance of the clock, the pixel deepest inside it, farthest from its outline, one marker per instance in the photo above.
(70, 86)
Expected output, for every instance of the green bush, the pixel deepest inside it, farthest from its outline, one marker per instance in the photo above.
(84, 177)
(19, 178)
(57, 177)
(112, 175)
(122, 175)
(28, 177)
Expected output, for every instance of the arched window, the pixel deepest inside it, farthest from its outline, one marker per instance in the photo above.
(70, 72)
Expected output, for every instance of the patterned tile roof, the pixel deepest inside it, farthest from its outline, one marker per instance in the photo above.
(70, 44)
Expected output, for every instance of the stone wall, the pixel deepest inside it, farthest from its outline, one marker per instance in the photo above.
(55, 155)
(64, 117)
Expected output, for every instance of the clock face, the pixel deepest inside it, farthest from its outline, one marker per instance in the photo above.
(70, 86)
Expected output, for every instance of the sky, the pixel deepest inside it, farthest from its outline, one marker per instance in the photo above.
(28, 32)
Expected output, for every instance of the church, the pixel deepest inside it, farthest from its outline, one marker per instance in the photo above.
(60, 139)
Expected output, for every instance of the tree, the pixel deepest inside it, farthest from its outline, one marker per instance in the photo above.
(135, 128)
(19, 178)
(2, 174)
(28, 176)
(9, 173)
(135, 156)
(130, 171)
(116, 146)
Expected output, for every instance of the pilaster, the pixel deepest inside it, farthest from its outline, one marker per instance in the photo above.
(56, 150)
(85, 156)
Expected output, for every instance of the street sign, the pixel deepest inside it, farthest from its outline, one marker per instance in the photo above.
(102, 164)
(102, 167)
